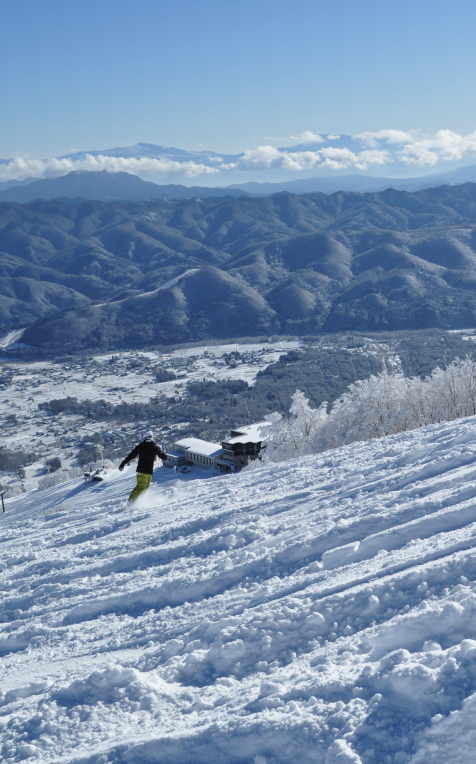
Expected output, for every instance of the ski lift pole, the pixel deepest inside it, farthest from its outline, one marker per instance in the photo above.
(3, 501)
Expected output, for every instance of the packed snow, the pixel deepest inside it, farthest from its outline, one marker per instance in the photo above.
(321, 610)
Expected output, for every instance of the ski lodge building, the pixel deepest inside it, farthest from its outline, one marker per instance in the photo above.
(243, 445)
(194, 451)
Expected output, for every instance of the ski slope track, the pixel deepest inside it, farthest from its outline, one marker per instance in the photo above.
(320, 610)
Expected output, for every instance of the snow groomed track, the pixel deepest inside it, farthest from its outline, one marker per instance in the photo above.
(320, 610)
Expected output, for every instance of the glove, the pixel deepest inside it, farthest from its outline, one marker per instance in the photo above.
(121, 466)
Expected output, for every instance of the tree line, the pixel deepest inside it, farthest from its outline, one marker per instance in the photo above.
(383, 404)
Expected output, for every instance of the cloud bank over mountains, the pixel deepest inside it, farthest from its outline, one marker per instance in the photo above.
(445, 146)
(362, 153)
(23, 167)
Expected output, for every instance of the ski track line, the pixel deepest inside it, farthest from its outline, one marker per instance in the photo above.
(323, 609)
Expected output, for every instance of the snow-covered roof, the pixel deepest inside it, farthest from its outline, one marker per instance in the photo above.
(197, 446)
(251, 433)
(175, 454)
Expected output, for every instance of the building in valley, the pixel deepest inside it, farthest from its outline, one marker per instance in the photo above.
(194, 451)
(245, 444)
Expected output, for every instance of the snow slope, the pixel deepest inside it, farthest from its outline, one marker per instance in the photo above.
(322, 610)
(11, 338)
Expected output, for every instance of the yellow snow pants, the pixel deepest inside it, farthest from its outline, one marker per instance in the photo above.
(143, 482)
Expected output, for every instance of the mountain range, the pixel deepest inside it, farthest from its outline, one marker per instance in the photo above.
(324, 163)
(98, 275)
(106, 186)
(360, 183)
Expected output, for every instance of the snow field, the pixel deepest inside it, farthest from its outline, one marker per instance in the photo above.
(319, 610)
(37, 382)
(46, 380)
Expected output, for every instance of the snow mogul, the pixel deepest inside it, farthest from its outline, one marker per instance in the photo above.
(147, 451)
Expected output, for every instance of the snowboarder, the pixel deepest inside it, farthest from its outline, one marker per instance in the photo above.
(147, 451)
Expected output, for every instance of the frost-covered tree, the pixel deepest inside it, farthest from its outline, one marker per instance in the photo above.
(292, 436)
(454, 389)
(371, 408)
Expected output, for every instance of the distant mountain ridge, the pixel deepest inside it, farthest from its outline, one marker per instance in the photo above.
(154, 151)
(122, 186)
(106, 187)
(341, 143)
(360, 183)
(99, 275)
(354, 161)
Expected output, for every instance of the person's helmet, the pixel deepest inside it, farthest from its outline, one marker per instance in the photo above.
(147, 435)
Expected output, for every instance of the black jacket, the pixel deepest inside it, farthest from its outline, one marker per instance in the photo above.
(146, 451)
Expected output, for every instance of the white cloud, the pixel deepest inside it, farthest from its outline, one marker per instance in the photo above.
(300, 160)
(419, 154)
(377, 149)
(388, 136)
(445, 146)
(268, 157)
(307, 137)
(422, 150)
(337, 159)
(374, 156)
(333, 137)
(23, 167)
(263, 157)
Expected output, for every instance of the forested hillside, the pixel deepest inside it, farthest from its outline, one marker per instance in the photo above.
(101, 276)
(208, 409)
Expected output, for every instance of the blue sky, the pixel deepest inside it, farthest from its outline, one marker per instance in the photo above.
(229, 75)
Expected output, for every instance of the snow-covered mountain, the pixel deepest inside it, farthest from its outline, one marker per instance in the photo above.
(320, 610)
(394, 153)
(79, 278)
